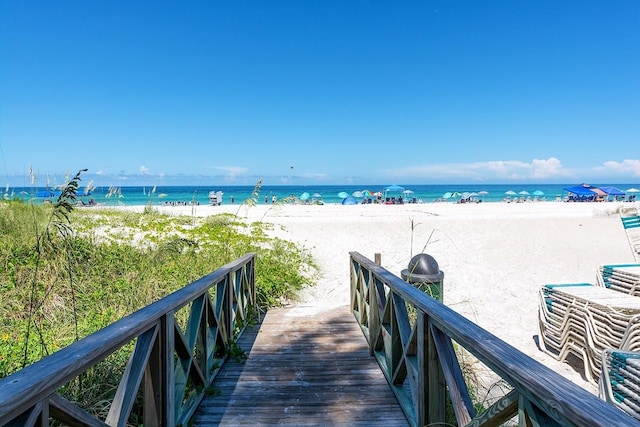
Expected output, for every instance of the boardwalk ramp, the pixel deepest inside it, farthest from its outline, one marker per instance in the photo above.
(304, 367)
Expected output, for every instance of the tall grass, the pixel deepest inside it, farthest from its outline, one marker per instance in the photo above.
(69, 272)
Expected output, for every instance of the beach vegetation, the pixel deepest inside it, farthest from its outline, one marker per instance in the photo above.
(69, 272)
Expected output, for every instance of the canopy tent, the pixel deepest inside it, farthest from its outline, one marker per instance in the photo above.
(580, 190)
(613, 191)
(393, 189)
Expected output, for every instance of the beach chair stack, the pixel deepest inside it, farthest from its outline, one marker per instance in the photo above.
(620, 380)
(623, 278)
(583, 320)
(631, 223)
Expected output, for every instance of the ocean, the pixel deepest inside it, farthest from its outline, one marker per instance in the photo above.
(137, 195)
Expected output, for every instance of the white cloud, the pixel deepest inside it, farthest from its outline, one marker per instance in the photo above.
(231, 173)
(314, 175)
(626, 167)
(498, 170)
(549, 168)
(144, 170)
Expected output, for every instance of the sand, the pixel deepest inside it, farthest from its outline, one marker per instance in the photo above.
(495, 256)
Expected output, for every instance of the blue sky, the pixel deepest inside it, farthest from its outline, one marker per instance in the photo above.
(320, 92)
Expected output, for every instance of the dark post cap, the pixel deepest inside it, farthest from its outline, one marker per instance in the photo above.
(422, 268)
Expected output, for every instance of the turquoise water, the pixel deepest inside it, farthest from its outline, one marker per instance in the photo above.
(136, 196)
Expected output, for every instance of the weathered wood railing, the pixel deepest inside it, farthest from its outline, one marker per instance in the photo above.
(411, 335)
(174, 365)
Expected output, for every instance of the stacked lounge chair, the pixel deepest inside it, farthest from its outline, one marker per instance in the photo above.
(620, 380)
(623, 278)
(583, 320)
(631, 223)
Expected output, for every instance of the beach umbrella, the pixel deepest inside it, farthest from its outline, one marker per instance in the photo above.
(407, 192)
(357, 194)
(632, 190)
(447, 195)
(316, 195)
(538, 193)
(483, 193)
(343, 194)
(524, 193)
(367, 193)
(304, 196)
(510, 193)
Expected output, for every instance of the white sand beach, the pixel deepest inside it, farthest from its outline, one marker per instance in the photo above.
(495, 256)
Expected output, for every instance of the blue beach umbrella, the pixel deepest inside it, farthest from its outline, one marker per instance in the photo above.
(304, 196)
(447, 195)
(510, 193)
(343, 194)
(538, 193)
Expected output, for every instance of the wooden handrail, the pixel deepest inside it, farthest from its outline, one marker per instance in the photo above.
(421, 352)
(172, 390)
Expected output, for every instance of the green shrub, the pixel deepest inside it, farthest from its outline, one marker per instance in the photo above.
(62, 283)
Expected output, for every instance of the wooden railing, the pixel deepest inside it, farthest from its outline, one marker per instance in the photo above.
(169, 368)
(412, 337)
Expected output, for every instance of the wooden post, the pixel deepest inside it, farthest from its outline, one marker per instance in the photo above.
(168, 391)
(374, 315)
(153, 382)
(377, 258)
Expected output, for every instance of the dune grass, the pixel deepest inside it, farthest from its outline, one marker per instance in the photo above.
(69, 272)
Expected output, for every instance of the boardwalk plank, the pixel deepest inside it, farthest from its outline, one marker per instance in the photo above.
(302, 370)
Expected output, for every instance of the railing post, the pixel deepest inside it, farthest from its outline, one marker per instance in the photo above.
(374, 314)
(228, 305)
(434, 399)
(168, 391)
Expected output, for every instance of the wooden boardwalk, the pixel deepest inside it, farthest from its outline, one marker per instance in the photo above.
(304, 368)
